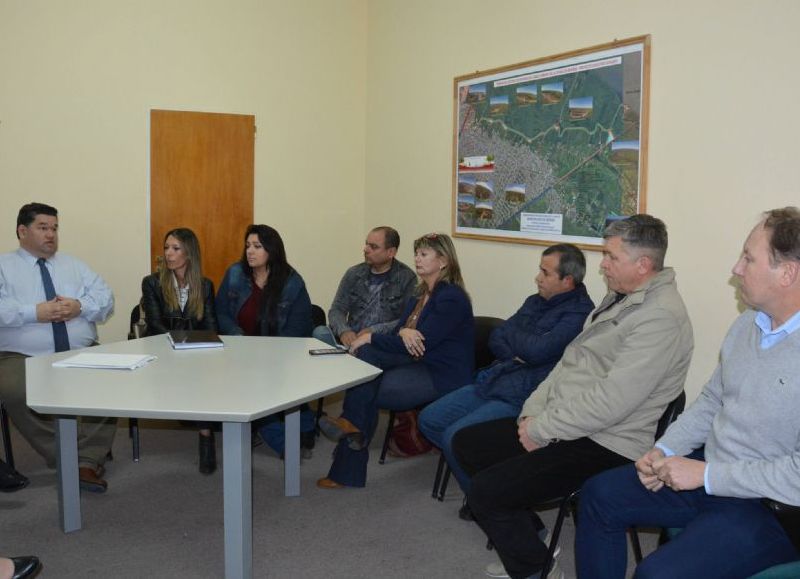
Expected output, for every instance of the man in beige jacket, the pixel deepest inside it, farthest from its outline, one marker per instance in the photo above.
(597, 409)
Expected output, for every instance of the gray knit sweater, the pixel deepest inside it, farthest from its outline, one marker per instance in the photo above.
(748, 417)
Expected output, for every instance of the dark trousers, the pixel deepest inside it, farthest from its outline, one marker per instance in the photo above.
(724, 537)
(507, 481)
(404, 384)
(272, 428)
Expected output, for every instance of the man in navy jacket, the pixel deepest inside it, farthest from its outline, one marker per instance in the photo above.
(526, 347)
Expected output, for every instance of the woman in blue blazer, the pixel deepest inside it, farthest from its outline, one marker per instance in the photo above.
(262, 295)
(430, 353)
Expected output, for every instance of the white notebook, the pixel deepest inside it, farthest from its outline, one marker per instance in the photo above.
(105, 361)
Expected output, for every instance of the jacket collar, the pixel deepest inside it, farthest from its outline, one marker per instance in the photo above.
(576, 293)
(365, 270)
(663, 278)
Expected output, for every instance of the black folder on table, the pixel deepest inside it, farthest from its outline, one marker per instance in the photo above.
(191, 339)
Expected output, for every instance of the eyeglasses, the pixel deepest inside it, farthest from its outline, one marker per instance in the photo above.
(431, 236)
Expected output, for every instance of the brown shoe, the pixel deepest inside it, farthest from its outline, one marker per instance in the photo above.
(336, 428)
(328, 483)
(90, 481)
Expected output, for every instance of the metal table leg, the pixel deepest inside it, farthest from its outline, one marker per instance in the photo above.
(291, 453)
(238, 499)
(69, 494)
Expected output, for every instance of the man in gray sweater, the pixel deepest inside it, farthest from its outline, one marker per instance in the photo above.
(738, 442)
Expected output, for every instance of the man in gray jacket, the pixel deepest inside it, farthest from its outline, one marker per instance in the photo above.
(597, 409)
(372, 294)
(737, 443)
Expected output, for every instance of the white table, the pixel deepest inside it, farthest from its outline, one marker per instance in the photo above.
(249, 378)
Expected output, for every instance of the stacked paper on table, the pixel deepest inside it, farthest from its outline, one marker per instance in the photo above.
(190, 339)
(105, 361)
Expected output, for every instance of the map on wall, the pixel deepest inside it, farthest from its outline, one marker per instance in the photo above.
(551, 150)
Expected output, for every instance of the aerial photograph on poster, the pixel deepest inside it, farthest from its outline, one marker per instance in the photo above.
(548, 151)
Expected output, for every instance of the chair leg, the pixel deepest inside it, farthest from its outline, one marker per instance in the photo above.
(386, 438)
(563, 509)
(133, 433)
(445, 480)
(635, 545)
(438, 478)
(6, 435)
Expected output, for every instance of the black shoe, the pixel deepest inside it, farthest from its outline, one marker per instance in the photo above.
(11, 480)
(308, 439)
(25, 567)
(208, 454)
(465, 513)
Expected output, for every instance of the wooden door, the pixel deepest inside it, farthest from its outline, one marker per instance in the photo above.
(201, 177)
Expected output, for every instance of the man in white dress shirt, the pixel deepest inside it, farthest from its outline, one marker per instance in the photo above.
(50, 302)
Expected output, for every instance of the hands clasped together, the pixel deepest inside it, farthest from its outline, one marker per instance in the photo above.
(59, 309)
(679, 473)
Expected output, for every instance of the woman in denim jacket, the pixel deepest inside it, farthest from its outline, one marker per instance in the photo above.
(262, 295)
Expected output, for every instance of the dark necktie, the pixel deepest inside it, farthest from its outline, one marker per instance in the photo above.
(60, 337)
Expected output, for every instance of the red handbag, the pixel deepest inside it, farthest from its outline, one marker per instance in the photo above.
(406, 439)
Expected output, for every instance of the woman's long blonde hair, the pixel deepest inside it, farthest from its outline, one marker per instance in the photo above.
(443, 246)
(193, 275)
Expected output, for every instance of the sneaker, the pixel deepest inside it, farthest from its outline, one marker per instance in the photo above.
(498, 570)
(307, 441)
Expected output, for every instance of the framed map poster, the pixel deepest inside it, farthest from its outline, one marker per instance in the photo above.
(548, 151)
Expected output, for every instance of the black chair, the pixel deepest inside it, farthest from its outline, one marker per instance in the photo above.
(569, 503)
(4, 426)
(137, 329)
(670, 414)
(484, 325)
(318, 319)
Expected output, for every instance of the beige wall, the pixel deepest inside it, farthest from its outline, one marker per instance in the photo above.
(77, 80)
(722, 139)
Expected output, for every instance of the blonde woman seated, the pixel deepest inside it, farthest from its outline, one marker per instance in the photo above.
(178, 297)
(430, 353)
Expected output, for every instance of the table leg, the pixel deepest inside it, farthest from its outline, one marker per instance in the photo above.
(69, 493)
(238, 499)
(291, 453)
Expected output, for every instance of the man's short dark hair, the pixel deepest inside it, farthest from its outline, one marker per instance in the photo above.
(643, 232)
(784, 226)
(27, 214)
(390, 236)
(571, 261)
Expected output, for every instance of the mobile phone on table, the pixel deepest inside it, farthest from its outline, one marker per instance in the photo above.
(327, 351)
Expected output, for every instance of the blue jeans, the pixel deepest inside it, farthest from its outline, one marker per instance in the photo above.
(272, 430)
(724, 537)
(404, 384)
(325, 334)
(440, 420)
